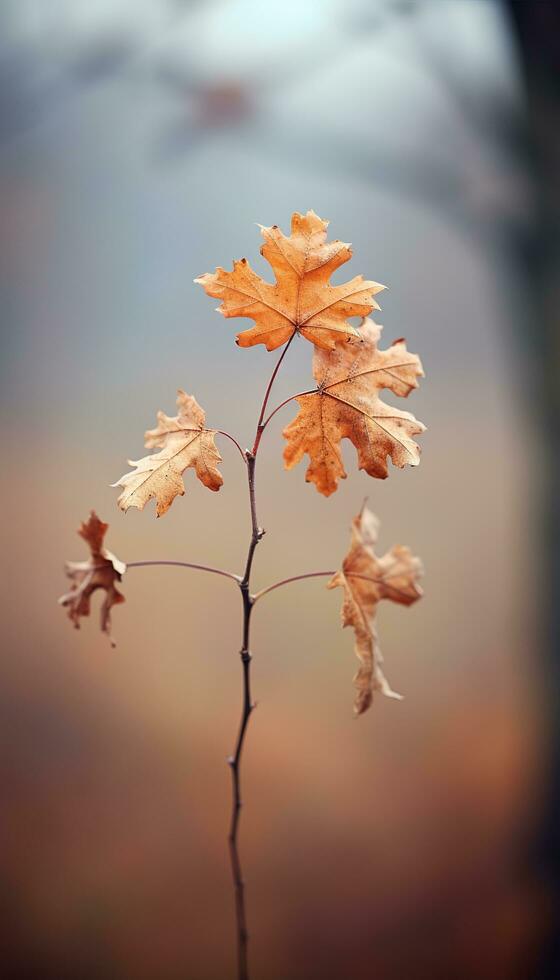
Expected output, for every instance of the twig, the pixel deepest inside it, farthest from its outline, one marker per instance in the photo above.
(234, 761)
(248, 706)
(298, 578)
(286, 581)
(260, 425)
(235, 442)
(311, 391)
(186, 564)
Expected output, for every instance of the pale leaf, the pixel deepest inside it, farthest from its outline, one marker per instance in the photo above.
(367, 579)
(301, 299)
(100, 571)
(184, 442)
(347, 405)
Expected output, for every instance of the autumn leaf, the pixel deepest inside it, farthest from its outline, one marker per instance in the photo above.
(301, 300)
(100, 571)
(366, 580)
(347, 405)
(183, 442)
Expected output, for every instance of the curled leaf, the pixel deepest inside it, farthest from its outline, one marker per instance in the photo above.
(184, 442)
(366, 580)
(347, 405)
(301, 299)
(100, 571)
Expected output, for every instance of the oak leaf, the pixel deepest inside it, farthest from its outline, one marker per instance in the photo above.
(366, 580)
(347, 405)
(184, 442)
(301, 299)
(100, 571)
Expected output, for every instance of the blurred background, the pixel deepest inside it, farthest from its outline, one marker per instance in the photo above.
(140, 142)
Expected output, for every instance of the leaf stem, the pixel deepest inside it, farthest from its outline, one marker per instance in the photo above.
(232, 439)
(298, 578)
(311, 391)
(186, 564)
(260, 425)
(286, 581)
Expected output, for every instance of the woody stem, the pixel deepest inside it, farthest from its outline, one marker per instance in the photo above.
(234, 760)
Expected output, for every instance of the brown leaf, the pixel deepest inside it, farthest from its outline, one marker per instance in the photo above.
(347, 405)
(184, 442)
(100, 571)
(366, 579)
(301, 299)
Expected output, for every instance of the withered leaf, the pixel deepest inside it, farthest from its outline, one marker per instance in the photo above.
(183, 442)
(347, 405)
(366, 580)
(100, 571)
(301, 299)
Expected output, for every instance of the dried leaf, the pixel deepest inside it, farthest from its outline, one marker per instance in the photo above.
(347, 405)
(301, 299)
(366, 580)
(184, 442)
(100, 571)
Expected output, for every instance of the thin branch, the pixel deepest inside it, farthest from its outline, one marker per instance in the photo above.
(235, 442)
(286, 581)
(311, 391)
(234, 761)
(186, 564)
(260, 425)
(272, 380)
(298, 578)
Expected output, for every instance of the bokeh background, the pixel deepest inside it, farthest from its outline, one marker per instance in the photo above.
(140, 142)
